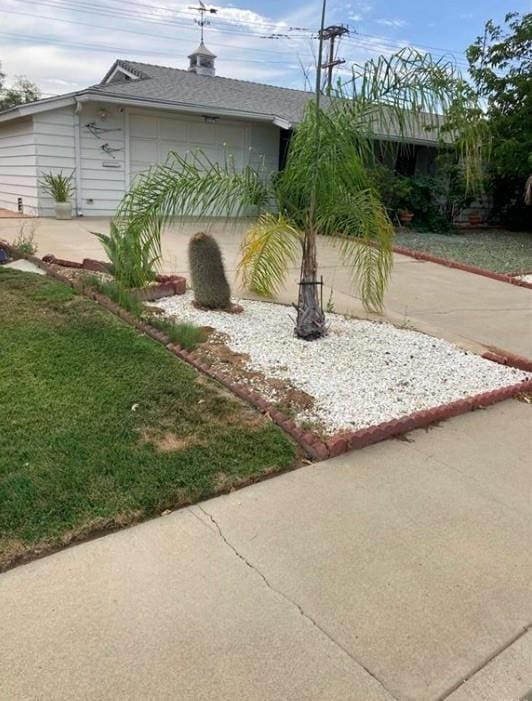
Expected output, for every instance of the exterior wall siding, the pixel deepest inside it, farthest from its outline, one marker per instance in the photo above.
(103, 177)
(63, 140)
(18, 166)
(54, 144)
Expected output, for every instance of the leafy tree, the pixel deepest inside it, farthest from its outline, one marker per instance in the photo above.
(326, 187)
(19, 93)
(501, 67)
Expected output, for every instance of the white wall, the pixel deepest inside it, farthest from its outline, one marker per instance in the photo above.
(18, 166)
(100, 175)
(49, 141)
(53, 133)
(103, 175)
(264, 146)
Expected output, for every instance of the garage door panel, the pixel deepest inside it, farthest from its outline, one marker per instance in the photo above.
(144, 150)
(229, 134)
(153, 138)
(174, 130)
(202, 134)
(167, 147)
(145, 127)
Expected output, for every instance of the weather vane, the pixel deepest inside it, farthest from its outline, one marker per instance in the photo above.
(202, 9)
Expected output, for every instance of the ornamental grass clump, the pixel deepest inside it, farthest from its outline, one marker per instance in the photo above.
(133, 261)
(60, 187)
(211, 289)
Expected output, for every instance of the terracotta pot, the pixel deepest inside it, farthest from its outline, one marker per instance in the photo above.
(474, 218)
(405, 216)
(63, 210)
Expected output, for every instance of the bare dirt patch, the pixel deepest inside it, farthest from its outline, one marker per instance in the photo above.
(216, 353)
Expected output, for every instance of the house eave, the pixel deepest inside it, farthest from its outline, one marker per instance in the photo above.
(204, 110)
(49, 103)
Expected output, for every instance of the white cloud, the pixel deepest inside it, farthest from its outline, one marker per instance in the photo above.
(71, 60)
(395, 23)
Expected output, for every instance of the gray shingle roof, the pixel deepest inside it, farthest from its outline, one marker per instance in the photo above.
(183, 87)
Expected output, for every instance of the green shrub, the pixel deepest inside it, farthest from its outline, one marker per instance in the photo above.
(133, 264)
(423, 195)
(211, 289)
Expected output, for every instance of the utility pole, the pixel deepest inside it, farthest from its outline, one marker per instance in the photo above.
(330, 34)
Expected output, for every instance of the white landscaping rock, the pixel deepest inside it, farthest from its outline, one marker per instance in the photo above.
(525, 278)
(24, 265)
(361, 374)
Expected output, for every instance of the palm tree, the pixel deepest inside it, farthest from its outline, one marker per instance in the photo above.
(326, 186)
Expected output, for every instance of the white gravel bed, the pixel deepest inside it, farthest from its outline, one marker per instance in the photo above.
(525, 278)
(361, 374)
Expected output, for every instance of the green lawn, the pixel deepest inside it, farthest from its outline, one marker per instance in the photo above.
(102, 427)
(497, 250)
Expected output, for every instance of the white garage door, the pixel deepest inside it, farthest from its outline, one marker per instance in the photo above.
(152, 138)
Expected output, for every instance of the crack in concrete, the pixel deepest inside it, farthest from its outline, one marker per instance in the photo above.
(485, 663)
(302, 612)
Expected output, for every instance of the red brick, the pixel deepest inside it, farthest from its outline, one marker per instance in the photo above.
(153, 292)
(319, 451)
(180, 285)
(337, 446)
(277, 416)
(98, 266)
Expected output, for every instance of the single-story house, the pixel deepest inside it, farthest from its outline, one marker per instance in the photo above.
(134, 117)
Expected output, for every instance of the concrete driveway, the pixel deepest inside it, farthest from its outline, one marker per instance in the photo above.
(467, 309)
(402, 571)
(398, 572)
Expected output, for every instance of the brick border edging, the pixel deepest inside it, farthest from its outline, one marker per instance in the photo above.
(166, 286)
(310, 442)
(511, 359)
(421, 255)
(420, 419)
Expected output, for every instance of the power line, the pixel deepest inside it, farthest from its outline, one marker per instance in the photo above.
(137, 16)
(109, 49)
(140, 33)
(391, 44)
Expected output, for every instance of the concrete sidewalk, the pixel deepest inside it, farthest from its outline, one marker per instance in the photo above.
(473, 311)
(398, 572)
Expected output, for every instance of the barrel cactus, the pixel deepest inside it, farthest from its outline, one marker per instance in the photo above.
(211, 289)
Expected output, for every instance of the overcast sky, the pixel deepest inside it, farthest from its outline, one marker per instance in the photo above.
(63, 46)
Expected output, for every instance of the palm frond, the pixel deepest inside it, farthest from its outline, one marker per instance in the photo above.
(188, 186)
(410, 95)
(364, 239)
(268, 249)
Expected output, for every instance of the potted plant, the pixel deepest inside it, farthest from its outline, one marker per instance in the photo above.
(405, 216)
(474, 217)
(395, 191)
(61, 189)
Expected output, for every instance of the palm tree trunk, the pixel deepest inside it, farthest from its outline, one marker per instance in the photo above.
(310, 322)
(310, 317)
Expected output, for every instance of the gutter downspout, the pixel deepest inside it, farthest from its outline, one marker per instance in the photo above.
(77, 156)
